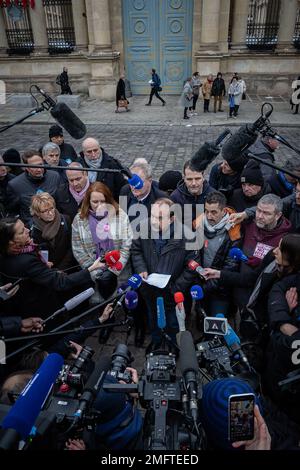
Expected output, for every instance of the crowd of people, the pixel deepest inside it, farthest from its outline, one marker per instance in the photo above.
(75, 217)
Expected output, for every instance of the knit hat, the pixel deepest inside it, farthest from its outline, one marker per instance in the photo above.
(55, 131)
(214, 408)
(169, 180)
(11, 156)
(252, 174)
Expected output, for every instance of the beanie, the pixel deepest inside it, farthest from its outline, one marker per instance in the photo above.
(214, 408)
(169, 180)
(252, 174)
(55, 130)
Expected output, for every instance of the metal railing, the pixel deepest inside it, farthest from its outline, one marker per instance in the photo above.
(263, 24)
(296, 38)
(18, 29)
(60, 26)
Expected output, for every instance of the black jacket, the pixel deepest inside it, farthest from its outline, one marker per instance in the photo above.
(10, 326)
(240, 202)
(182, 196)
(114, 181)
(67, 152)
(224, 183)
(3, 194)
(120, 92)
(263, 151)
(65, 202)
(23, 187)
(278, 309)
(291, 211)
(278, 186)
(39, 292)
(218, 87)
(154, 194)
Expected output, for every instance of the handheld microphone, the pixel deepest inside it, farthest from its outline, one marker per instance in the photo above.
(78, 299)
(136, 182)
(197, 292)
(111, 257)
(194, 266)
(189, 369)
(161, 316)
(133, 284)
(234, 343)
(131, 300)
(92, 387)
(237, 254)
(24, 412)
(179, 310)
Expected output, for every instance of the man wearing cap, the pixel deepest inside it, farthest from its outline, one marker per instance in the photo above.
(67, 151)
(253, 188)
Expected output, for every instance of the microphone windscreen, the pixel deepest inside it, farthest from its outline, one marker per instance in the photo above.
(24, 412)
(237, 254)
(111, 257)
(193, 265)
(197, 292)
(68, 120)
(161, 316)
(134, 281)
(103, 365)
(187, 357)
(131, 300)
(204, 156)
(178, 297)
(136, 181)
(118, 266)
(237, 143)
(78, 299)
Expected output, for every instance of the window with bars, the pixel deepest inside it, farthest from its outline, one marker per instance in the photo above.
(263, 24)
(60, 26)
(296, 39)
(18, 28)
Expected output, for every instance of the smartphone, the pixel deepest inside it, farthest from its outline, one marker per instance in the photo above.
(45, 255)
(241, 417)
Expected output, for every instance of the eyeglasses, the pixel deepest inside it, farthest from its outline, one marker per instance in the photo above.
(50, 209)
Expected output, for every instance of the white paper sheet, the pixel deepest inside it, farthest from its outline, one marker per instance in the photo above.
(158, 280)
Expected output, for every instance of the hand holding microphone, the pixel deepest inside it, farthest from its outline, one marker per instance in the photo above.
(180, 311)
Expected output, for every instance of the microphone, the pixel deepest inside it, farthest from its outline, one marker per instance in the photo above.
(234, 343)
(92, 387)
(189, 369)
(111, 257)
(237, 254)
(78, 299)
(179, 310)
(135, 181)
(208, 152)
(194, 266)
(161, 316)
(24, 412)
(133, 284)
(131, 300)
(65, 116)
(197, 292)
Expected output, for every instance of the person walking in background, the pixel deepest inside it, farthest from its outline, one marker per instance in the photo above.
(218, 91)
(64, 82)
(121, 100)
(196, 84)
(187, 97)
(206, 91)
(155, 83)
(235, 96)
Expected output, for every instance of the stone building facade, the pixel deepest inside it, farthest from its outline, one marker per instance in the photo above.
(259, 39)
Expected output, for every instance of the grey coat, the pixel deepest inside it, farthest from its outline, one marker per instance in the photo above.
(187, 95)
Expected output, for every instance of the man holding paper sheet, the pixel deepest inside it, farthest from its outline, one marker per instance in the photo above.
(163, 252)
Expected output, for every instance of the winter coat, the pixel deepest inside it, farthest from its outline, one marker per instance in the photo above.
(68, 153)
(120, 93)
(263, 151)
(21, 189)
(10, 326)
(60, 250)
(3, 194)
(206, 89)
(291, 210)
(41, 290)
(114, 181)
(154, 194)
(182, 196)
(278, 186)
(156, 82)
(196, 84)
(65, 202)
(236, 91)
(218, 87)
(239, 201)
(187, 95)
(220, 182)
(278, 310)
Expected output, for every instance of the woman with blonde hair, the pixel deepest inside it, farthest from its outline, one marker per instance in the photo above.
(99, 227)
(51, 231)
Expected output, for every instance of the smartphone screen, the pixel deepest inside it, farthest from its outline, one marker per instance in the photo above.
(241, 417)
(45, 255)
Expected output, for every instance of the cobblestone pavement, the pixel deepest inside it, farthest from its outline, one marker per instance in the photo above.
(165, 147)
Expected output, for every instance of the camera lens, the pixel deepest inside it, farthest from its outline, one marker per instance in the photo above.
(121, 358)
(84, 356)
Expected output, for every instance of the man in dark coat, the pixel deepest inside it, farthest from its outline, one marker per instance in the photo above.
(253, 188)
(64, 82)
(121, 93)
(21, 188)
(94, 156)
(165, 251)
(291, 209)
(67, 151)
(265, 148)
(155, 88)
(226, 176)
(218, 91)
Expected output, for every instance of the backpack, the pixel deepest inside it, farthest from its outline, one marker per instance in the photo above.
(57, 81)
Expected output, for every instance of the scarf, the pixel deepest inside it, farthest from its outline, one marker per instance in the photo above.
(213, 229)
(30, 248)
(101, 235)
(49, 229)
(93, 164)
(79, 196)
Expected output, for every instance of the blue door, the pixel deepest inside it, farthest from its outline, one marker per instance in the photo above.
(158, 34)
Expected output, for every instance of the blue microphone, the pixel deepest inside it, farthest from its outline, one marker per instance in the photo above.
(131, 300)
(134, 281)
(197, 292)
(237, 254)
(234, 343)
(24, 412)
(136, 182)
(161, 316)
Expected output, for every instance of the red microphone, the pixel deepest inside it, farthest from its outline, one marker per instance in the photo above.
(179, 310)
(111, 257)
(194, 266)
(118, 266)
(179, 297)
